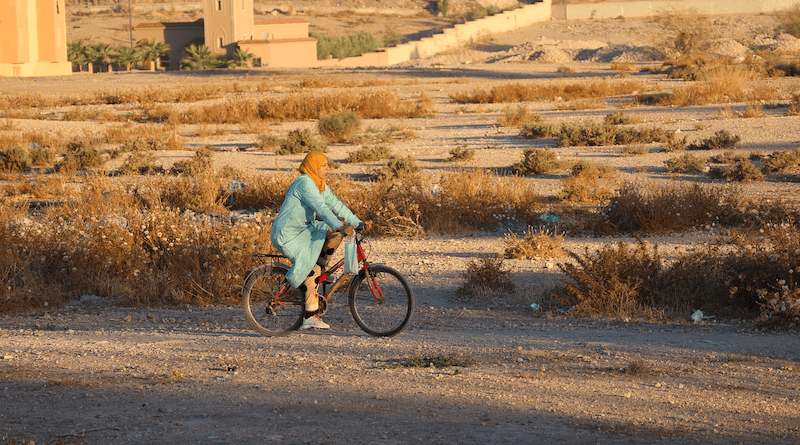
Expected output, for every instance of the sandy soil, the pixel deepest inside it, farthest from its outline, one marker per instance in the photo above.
(96, 373)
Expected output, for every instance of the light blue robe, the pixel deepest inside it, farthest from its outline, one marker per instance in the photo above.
(297, 234)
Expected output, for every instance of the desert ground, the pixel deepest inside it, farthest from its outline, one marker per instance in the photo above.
(94, 372)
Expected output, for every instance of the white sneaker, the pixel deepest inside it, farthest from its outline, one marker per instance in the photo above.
(314, 322)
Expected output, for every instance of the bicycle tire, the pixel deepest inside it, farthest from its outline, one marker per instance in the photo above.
(381, 318)
(268, 316)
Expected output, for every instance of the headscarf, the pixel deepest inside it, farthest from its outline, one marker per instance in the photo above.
(311, 165)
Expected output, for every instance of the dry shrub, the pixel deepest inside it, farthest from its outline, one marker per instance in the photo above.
(634, 150)
(615, 282)
(621, 66)
(760, 262)
(463, 201)
(301, 141)
(369, 154)
(597, 134)
(339, 127)
(537, 161)
(514, 117)
(620, 118)
(398, 168)
(478, 199)
(589, 183)
(672, 209)
(486, 278)
(536, 128)
(374, 105)
(534, 244)
(14, 160)
(105, 241)
(518, 92)
(721, 140)
(783, 162)
(686, 163)
(686, 35)
(741, 171)
(461, 154)
(724, 84)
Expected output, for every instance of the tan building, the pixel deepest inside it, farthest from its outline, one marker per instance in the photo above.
(228, 25)
(33, 38)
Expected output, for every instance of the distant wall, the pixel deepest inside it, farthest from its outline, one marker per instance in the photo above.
(648, 8)
(451, 37)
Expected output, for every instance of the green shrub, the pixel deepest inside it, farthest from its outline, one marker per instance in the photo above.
(536, 128)
(339, 47)
(741, 171)
(686, 163)
(301, 141)
(339, 127)
(460, 154)
(782, 161)
(199, 164)
(720, 141)
(673, 142)
(79, 157)
(15, 159)
(619, 118)
(398, 168)
(369, 154)
(537, 162)
(42, 156)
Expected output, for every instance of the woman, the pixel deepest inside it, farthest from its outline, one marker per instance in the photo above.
(308, 242)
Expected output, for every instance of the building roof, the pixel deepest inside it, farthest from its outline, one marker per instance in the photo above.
(165, 25)
(280, 21)
(261, 42)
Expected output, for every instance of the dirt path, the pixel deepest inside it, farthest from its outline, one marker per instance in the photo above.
(116, 375)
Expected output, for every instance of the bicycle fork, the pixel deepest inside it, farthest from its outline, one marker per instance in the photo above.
(373, 286)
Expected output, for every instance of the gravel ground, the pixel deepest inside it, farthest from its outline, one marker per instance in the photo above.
(97, 373)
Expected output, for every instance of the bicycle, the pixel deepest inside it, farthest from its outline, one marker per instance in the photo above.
(380, 299)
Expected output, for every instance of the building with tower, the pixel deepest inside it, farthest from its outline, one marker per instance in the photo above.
(229, 24)
(33, 38)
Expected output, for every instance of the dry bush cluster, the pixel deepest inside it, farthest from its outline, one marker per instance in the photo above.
(624, 281)
(519, 92)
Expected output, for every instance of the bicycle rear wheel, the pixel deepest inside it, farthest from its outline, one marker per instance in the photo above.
(381, 305)
(271, 305)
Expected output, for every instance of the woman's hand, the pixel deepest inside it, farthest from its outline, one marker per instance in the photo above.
(367, 226)
(347, 230)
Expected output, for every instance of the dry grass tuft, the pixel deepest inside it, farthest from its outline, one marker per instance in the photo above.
(589, 183)
(534, 244)
(486, 278)
(518, 92)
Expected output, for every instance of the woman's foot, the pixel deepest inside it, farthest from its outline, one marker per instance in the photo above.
(314, 322)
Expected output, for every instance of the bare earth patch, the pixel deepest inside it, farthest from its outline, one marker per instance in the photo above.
(95, 373)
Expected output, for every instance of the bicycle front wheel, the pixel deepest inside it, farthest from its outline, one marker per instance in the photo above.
(382, 303)
(271, 305)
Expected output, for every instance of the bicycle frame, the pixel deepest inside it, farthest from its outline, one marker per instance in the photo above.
(362, 261)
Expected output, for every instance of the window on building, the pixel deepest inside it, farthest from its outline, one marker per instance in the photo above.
(220, 43)
(243, 5)
(219, 5)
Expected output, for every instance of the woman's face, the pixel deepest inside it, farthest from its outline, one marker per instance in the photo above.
(323, 171)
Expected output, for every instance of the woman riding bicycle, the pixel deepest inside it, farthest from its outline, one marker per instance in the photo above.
(306, 241)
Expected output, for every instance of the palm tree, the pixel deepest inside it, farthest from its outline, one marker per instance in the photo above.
(242, 59)
(128, 57)
(199, 58)
(76, 53)
(153, 51)
(103, 55)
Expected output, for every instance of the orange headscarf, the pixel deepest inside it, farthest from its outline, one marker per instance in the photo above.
(311, 165)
